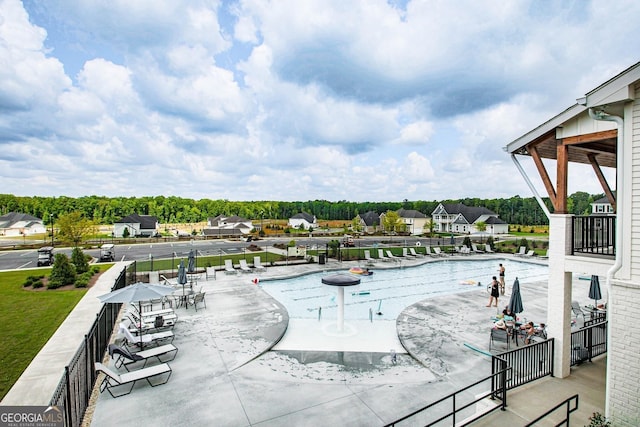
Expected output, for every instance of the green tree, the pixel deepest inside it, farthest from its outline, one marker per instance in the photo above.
(62, 273)
(125, 232)
(74, 227)
(391, 221)
(79, 260)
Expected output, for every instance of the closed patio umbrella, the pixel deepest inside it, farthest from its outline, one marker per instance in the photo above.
(515, 303)
(594, 290)
(191, 263)
(137, 292)
(182, 275)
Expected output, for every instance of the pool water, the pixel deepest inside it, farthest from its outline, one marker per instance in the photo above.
(391, 291)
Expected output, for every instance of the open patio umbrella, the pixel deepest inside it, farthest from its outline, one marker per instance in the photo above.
(594, 290)
(515, 303)
(191, 264)
(137, 292)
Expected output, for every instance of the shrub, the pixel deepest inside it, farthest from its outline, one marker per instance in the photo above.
(79, 260)
(95, 269)
(598, 420)
(524, 242)
(37, 284)
(467, 241)
(63, 272)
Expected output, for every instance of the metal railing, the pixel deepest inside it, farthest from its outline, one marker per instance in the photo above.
(75, 386)
(440, 413)
(594, 235)
(590, 341)
(528, 363)
(568, 408)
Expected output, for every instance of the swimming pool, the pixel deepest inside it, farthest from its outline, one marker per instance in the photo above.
(391, 291)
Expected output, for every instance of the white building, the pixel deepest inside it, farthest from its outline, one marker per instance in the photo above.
(20, 224)
(459, 218)
(303, 220)
(602, 130)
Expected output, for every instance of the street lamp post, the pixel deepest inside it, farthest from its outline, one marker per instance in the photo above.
(51, 218)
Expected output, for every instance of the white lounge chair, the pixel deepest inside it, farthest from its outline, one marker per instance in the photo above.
(228, 267)
(546, 255)
(244, 267)
(438, 251)
(367, 257)
(406, 254)
(392, 257)
(487, 249)
(529, 254)
(382, 257)
(522, 251)
(475, 249)
(257, 264)
(416, 254)
(112, 379)
(158, 338)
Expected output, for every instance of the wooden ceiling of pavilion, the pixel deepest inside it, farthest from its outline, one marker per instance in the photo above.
(597, 149)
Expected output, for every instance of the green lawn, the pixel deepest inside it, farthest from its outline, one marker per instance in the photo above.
(29, 319)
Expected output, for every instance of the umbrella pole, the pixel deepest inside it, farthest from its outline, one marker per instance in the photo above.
(140, 328)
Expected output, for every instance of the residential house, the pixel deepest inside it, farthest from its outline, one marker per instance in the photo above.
(415, 222)
(459, 218)
(601, 130)
(137, 226)
(602, 206)
(225, 226)
(20, 224)
(368, 222)
(303, 220)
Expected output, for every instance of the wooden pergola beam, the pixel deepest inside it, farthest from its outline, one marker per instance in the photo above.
(603, 180)
(562, 178)
(590, 137)
(533, 151)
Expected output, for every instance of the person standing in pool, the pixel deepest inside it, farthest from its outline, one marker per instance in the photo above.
(501, 274)
(495, 292)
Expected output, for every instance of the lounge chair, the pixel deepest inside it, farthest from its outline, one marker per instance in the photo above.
(522, 251)
(416, 254)
(123, 357)
(529, 254)
(406, 254)
(367, 257)
(257, 264)
(149, 323)
(474, 249)
(431, 252)
(228, 267)
(439, 252)
(155, 339)
(463, 250)
(546, 255)
(154, 277)
(382, 257)
(487, 249)
(196, 299)
(113, 380)
(577, 311)
(244, 267)
(210, 272)
(392, 257)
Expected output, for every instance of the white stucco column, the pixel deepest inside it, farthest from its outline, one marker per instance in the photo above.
(559, 293)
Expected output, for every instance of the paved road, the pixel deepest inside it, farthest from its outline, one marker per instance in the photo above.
(27, 258)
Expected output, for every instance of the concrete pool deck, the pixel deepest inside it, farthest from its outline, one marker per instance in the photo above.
(234, 367)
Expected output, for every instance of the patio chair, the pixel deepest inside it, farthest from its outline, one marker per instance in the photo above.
(522, 251)
(546, 255)
(228, 267)
(416, 254)
(392, 257)
(113, 380)
(475, 249)
(257, 264)
(155, 339)
(499, 335)
(406, 254)
(157, 322)
(196, 299)
(244, 267)
(382, 257)
(438, 251)
(487, 249)
(431, 252)
(577, 311)
(123, 357)
(529, 254)
(367, 257)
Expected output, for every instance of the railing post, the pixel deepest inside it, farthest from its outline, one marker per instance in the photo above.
(67, 397)
(504, 386)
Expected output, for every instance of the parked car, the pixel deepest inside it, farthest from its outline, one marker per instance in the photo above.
(107, 252)
(45, 256)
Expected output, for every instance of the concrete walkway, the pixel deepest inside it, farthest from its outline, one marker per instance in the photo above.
(241, 362)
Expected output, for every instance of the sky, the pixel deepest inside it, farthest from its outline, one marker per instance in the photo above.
(288, 100)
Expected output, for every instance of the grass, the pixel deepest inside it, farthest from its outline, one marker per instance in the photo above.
(29, 319)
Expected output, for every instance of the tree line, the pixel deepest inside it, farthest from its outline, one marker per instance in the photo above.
(172, 209)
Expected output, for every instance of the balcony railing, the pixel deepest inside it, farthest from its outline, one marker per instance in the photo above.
(594, 235)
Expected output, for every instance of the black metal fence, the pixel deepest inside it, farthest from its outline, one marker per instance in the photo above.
(79, 377)
(594, 235)
(590, 341)
(450, 409)
(527, 363)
